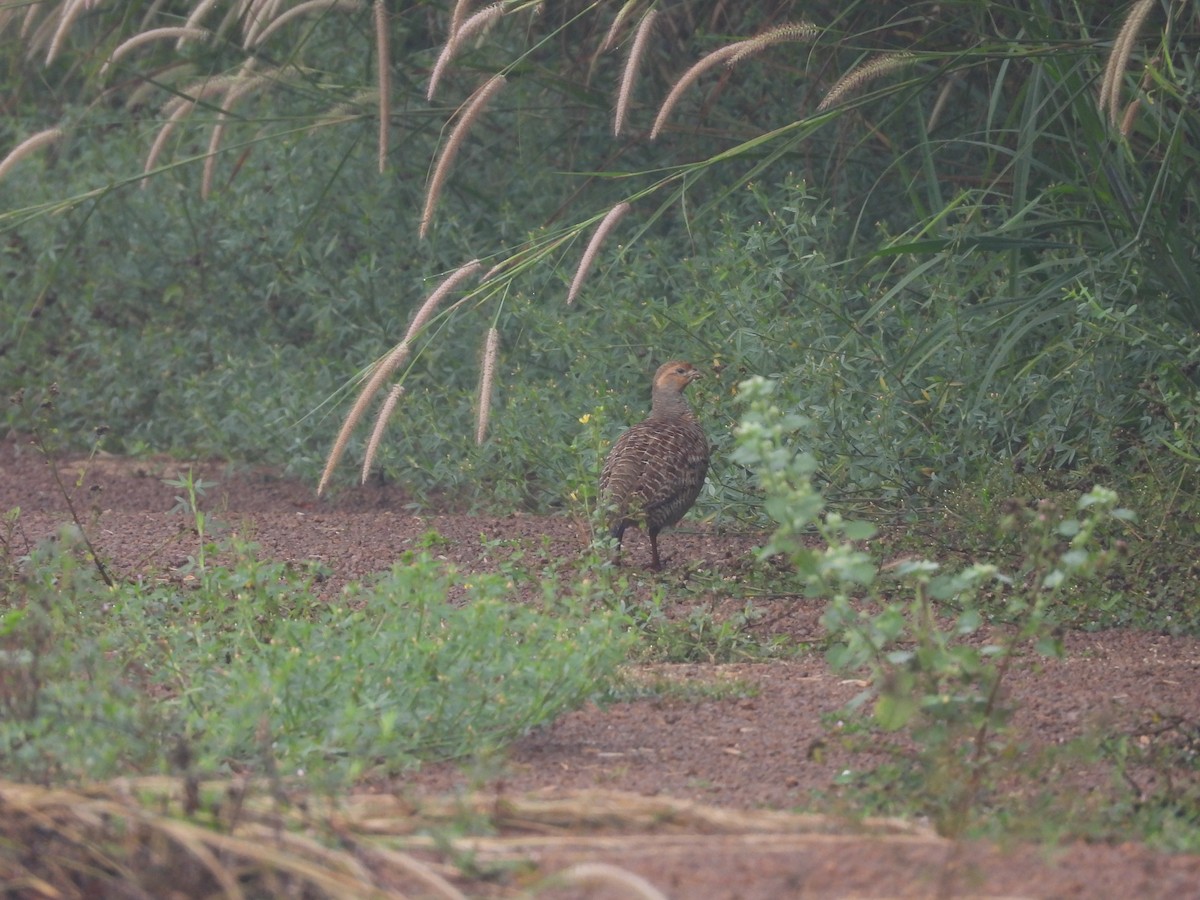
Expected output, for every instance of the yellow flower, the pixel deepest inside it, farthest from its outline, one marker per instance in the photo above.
(585, 418)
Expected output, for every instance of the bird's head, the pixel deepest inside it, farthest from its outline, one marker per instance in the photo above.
(672, 377)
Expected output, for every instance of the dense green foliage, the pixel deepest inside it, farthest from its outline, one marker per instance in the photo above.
(926, 634)
(959, 267)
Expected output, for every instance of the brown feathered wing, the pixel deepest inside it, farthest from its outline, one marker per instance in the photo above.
(654, 473)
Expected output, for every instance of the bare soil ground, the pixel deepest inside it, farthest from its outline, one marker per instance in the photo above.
(723, 770)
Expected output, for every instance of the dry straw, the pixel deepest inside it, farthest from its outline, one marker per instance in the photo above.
(471, 110)
(383, 57)
(605, 874)
(857, 78)
(636, 51)
(388, 364)
(487, 377)
(31, 144)
(589, 255)
(458, 36)
(137, 837)
(1118, 63)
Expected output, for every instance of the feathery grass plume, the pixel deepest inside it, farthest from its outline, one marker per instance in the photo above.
(457, 15)
(70, 11)
(497, 268)
(474, 24)
(687, 79)
(589, 255)
(381, 420)
(789, 31)
(731, 55)
(303, 9)
(196, 15)
(611, 38)
(27, 23)
(487, 376)
(232, 96)
(868, 71)
(1130, 117)
(21, 16)
(383, 59)
(939, 105)
(470, 112)
(30, 145)
(256, 16)
(388, 364)
(180, 106)
(636, 51)
(1118, 60)
(154, 34)
(40, 35)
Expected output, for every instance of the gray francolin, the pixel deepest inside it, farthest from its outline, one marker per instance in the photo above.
(655, 470)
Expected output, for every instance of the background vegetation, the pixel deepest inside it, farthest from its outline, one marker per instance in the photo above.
(961, 238)
(958, 266)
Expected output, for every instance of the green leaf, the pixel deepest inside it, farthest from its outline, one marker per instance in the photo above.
(1068, 528)
(859, 531)
(893, 713)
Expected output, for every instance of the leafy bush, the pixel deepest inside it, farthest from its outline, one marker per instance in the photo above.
(937, 656)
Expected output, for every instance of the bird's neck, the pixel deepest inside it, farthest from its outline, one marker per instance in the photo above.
(670, 405)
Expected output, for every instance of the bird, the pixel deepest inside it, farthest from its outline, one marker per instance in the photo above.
(655, 470)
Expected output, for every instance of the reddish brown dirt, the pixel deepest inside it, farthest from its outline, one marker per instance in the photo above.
(766, 748)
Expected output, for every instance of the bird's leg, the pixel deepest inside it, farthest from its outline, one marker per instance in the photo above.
(655, 562)
(618, 532)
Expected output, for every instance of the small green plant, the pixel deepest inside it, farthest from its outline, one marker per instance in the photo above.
(936, 668)
(188, 503)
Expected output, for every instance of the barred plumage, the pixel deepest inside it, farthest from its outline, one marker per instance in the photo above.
(655, 470)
